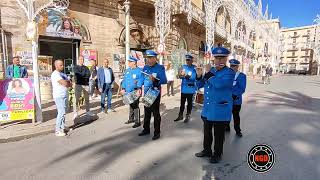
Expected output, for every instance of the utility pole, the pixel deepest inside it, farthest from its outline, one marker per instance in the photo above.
(127, 28)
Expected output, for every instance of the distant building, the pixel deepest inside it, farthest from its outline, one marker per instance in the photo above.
(297, 49)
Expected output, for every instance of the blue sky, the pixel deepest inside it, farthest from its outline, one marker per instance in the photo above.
(293, 13)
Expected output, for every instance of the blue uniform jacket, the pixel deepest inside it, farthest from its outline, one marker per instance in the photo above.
(217, 105)
(160, 73)
(188, 84)
(239, 88)
(133, 79)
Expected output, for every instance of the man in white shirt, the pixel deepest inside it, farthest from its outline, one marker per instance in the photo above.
(60, 85)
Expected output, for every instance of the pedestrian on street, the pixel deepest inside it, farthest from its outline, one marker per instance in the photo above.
(264, 75)
(93, 83)
(239, 88)
(188, 77)
(170, 74)
(105, 84)
(60, 85)
(16, 70)
(155, 78)
(81, 75)
(269, 71)
(133, 80)
(217, 107)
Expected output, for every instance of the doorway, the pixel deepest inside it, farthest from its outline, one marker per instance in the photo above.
(60, 48)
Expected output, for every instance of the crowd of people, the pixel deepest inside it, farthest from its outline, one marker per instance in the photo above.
(223, 89)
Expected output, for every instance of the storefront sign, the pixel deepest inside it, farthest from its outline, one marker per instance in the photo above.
(16, 99)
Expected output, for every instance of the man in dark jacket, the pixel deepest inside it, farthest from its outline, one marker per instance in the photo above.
(93, 83)
(81, 76)
(16, 70)
(105, 83)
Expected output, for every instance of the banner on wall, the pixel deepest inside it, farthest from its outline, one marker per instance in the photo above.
(16, 99)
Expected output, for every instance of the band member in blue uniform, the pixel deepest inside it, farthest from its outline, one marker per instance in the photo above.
(217, 107)
(239, 87)
(132, 81)
(188, 76)
(154, 77)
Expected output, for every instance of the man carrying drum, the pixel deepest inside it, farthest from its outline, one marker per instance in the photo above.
(154, 77)
(132, 83)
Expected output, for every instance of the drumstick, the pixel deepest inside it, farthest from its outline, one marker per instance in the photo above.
(149, 75)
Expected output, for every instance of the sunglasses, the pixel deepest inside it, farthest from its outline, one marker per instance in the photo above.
(233, 65)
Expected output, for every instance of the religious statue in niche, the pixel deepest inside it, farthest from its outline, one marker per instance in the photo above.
(138, 41)
(61, 23)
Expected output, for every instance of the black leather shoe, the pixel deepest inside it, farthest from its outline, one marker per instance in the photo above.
(136, 125)
(179, 119)
(187, 119)
(143, 133)
(215, 159)
(129, 122)
(156, 136)
(239, 134)
(203, 154)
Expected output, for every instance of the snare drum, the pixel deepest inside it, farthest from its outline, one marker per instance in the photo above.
(150, 97)
(130, 98)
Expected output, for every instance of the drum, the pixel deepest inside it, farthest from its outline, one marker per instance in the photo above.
(130, 98)
(150, 97)
(200, 96)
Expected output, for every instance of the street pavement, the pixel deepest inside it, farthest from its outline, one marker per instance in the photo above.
(284, 115)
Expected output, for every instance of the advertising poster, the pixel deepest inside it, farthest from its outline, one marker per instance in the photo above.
(139, 55)
(119, 63)
(89, 54)
(16, 99)
(26, 59)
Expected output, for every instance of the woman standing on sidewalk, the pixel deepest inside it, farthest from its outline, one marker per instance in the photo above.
(170, 73)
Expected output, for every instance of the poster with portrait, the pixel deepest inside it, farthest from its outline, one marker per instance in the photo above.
(45, 65)
(89, 54)
(139, 55)
(16, 99)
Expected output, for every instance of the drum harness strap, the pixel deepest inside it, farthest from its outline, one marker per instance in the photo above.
(235, 78)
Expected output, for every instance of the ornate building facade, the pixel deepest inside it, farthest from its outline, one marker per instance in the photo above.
(97, 27)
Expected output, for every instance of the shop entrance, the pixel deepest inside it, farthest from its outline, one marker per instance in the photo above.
(52, 48)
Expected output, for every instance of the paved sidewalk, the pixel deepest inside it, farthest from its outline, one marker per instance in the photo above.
(19, 130)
